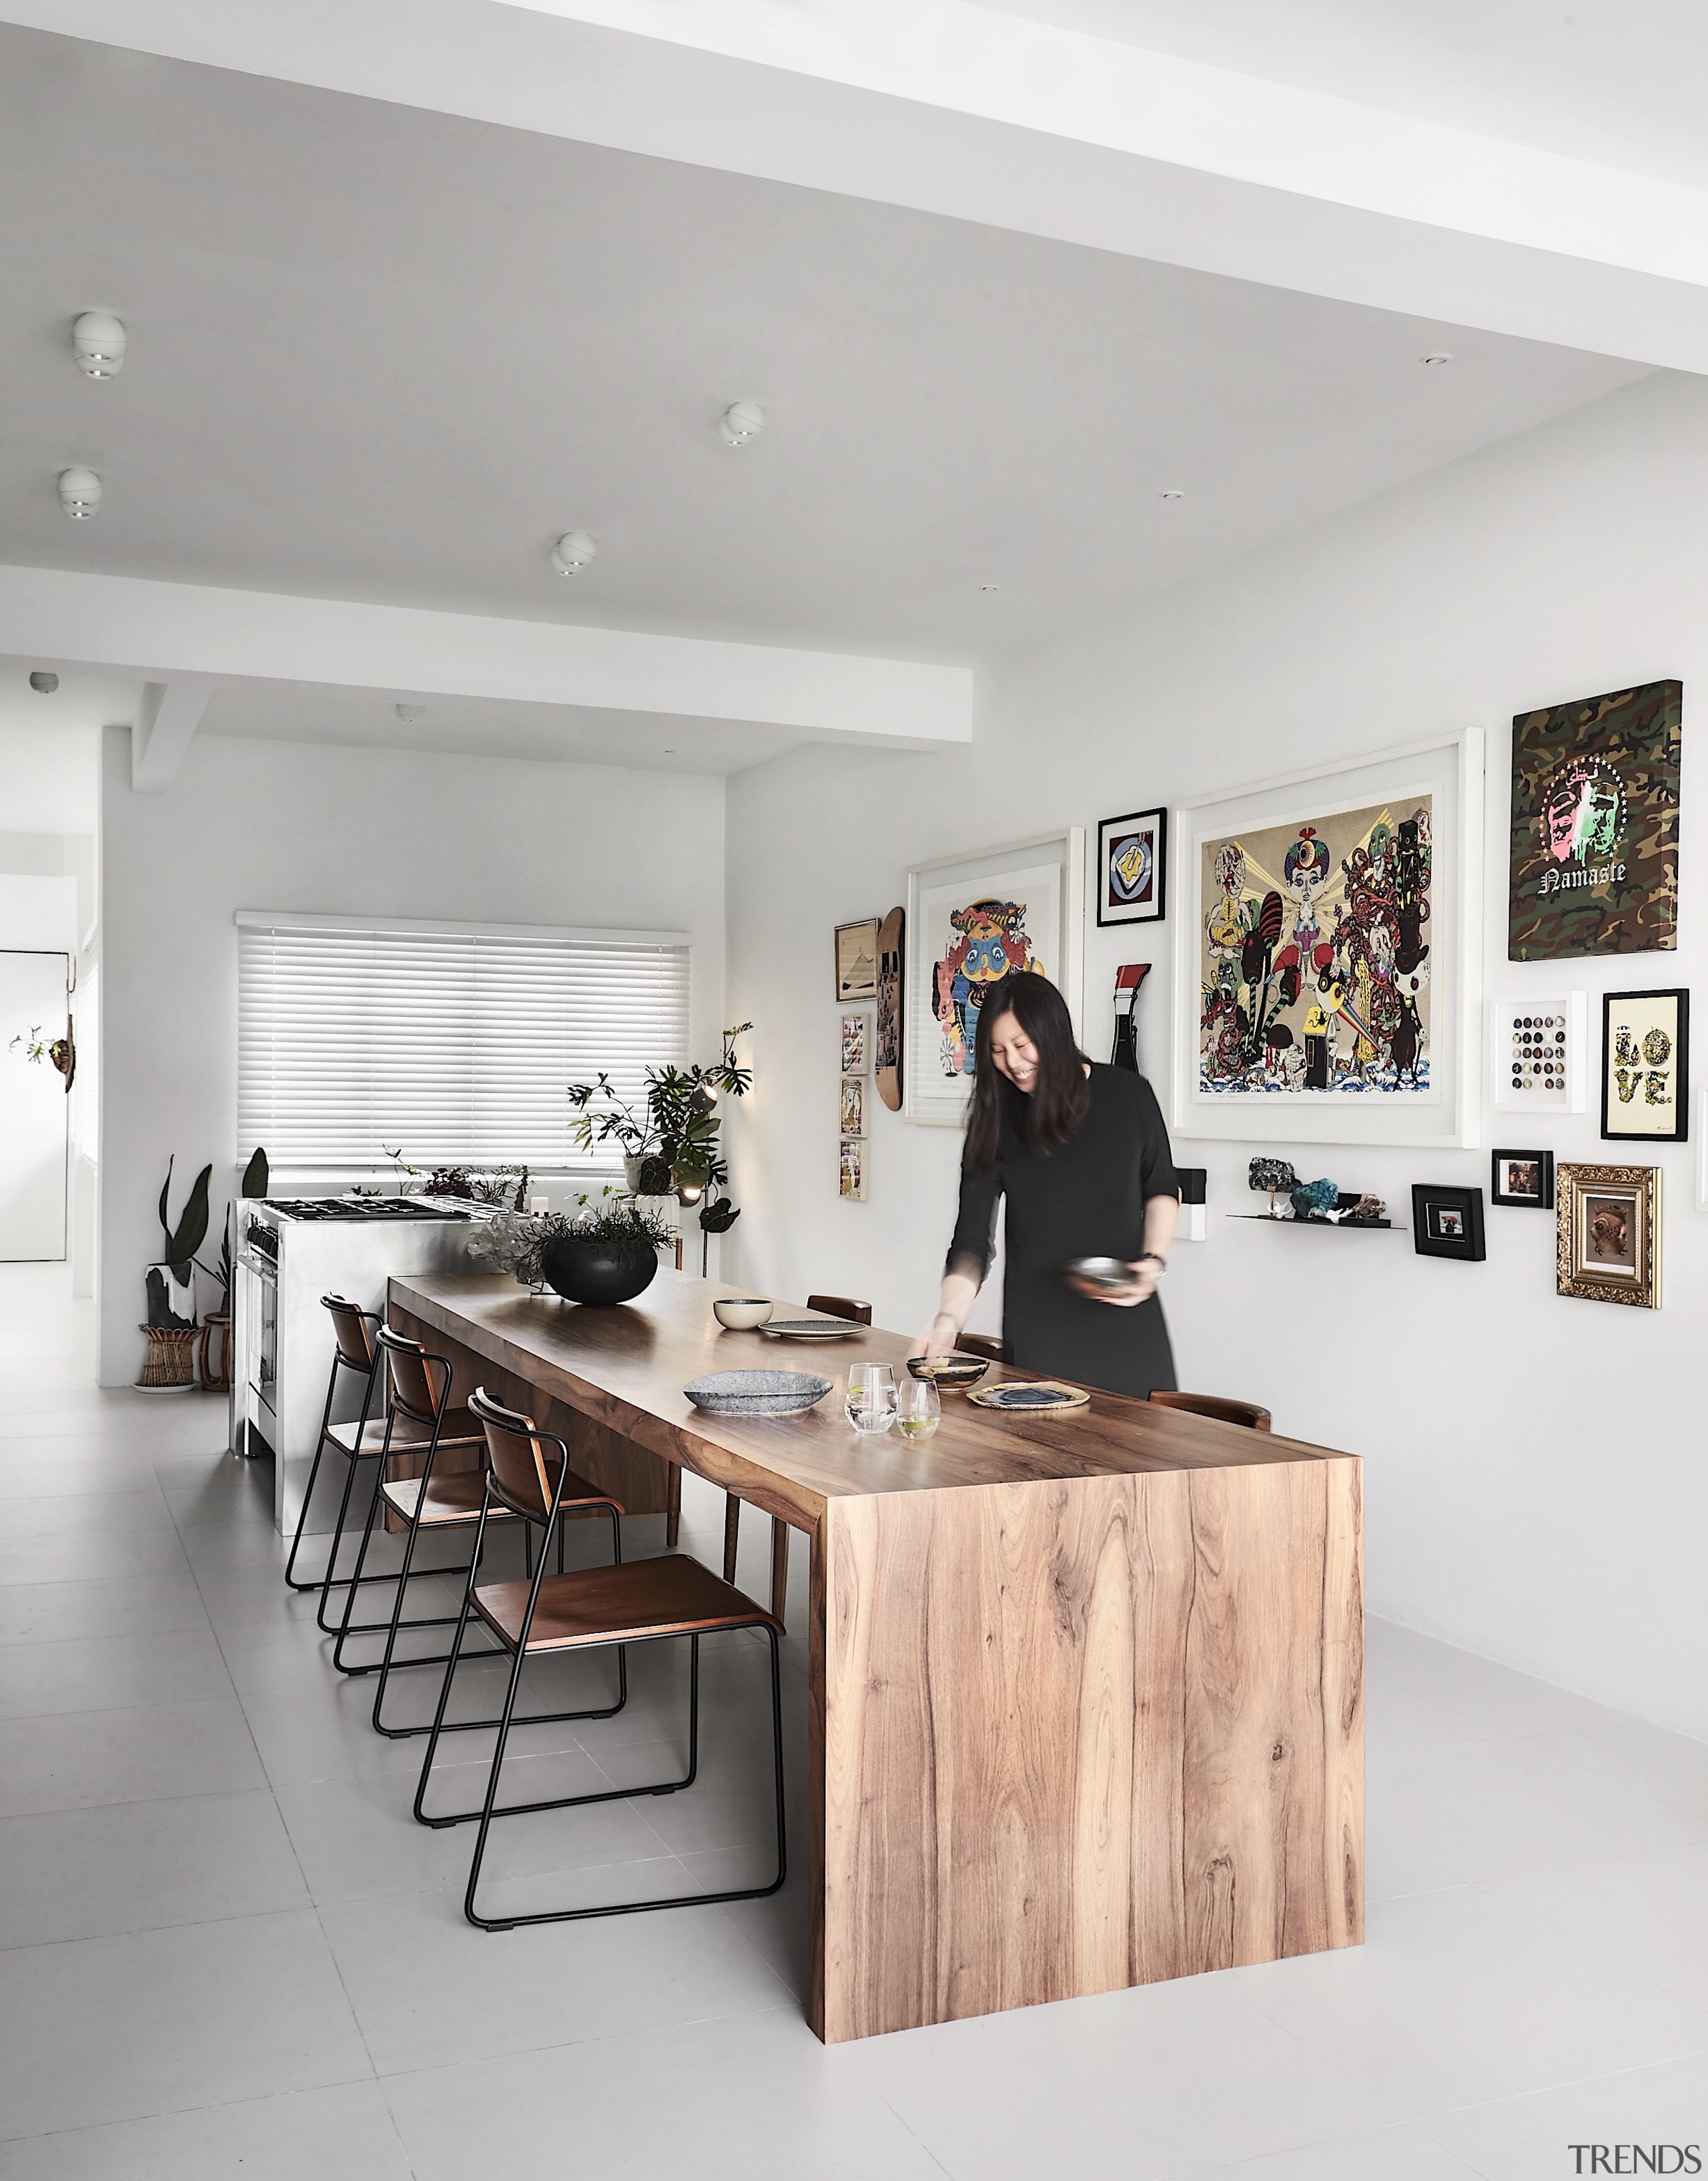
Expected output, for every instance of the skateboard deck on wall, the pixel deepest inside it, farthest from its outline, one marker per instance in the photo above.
(888, 1061)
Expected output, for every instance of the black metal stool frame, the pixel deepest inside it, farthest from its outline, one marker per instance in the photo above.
(489, 1810)
(326, 1580)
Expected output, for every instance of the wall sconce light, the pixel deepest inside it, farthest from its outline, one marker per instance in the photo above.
(572, 552)
(741, 421)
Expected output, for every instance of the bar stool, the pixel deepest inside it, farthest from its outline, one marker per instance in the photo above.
(354, 1350)
(1213, 1404)
(592, 1609)
(421, 1390)
(832, 1307)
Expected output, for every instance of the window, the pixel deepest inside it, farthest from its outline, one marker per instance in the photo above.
(455, 1044)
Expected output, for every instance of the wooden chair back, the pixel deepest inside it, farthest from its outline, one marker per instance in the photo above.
(841, 1306)
(421, 1383)
(1213, 1404)
(982, 1343)
(349, 1325)
(525, 1463)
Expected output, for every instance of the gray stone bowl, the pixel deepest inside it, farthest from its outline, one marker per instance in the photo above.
(756, 1393)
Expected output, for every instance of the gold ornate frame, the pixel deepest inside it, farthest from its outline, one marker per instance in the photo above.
(1578, 1274)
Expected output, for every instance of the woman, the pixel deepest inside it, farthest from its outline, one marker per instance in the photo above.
(1081, 1155)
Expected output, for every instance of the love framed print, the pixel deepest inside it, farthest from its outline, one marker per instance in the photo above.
(1645, 1066)
(1133, 867)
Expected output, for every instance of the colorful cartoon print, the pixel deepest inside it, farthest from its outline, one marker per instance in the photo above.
(1595, 847)
(1315, 959)
(991, 942)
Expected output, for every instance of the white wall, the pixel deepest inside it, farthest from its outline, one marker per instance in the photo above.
(1536, 1485)
(279, 826)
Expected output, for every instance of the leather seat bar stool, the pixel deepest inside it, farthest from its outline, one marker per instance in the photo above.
(591, 1609)
(832, 1307)
(453, 1501)
(355, 1349)
(1213, 1404)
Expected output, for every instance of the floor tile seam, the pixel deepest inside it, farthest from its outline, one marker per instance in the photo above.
(1620, 1862)
(175, 2112)
(1429, 2121)
(912, 2134)
(47, 1581)
(400, 2075)
(355, 2020)
(199, 1924)
(457, 1883)
(1216, 2165)
(1649, 1793)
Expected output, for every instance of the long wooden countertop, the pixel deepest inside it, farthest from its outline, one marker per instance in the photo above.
(625, 1367)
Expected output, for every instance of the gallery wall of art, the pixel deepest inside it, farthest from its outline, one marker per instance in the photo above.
(1536, 1486)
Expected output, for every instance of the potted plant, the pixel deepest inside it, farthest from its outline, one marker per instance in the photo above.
(678, 1133)
(605, 1252)
(171, 1284)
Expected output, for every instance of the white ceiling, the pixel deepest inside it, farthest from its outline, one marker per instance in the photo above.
(1617, 82)
(386, 355)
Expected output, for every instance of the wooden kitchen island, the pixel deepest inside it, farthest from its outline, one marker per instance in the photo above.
(1087, 1688)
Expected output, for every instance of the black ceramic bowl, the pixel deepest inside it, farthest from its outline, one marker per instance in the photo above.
(599, 1271)
(956, 1372)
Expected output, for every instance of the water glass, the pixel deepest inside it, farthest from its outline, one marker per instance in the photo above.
(920, 1409)
(871, 1397)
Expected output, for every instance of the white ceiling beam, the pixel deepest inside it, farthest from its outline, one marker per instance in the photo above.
(165, 632)
(958, 108)
(167, 718)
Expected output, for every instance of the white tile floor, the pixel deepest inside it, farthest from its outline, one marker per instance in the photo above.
(225, 1950)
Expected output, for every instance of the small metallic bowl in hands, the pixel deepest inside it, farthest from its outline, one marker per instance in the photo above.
(740, 1313)
(955, 1372)
(1108, 1273)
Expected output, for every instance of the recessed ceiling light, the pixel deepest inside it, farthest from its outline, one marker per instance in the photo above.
(741, 421)
(1434, 359)
(572, 552)
(990, 586)
(1171, 495)
(79, 492)
(409, 713)
(98, 343)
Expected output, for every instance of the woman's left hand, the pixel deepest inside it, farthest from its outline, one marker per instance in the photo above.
(1144, 1271)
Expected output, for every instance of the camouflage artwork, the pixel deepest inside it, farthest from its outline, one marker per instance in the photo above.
(1595, 826)
(1315, 958)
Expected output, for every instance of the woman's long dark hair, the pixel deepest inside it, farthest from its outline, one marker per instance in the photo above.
(1056, 1104)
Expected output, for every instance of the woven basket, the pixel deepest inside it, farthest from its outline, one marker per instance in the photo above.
(171, 1358)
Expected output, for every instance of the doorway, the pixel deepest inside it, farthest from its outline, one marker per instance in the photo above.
(35, 1140)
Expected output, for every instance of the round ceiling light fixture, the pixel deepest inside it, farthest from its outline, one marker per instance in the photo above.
(1170, 494)
(98, 341)
(572, 552)
(741, 421)
(1439, 357)
(79, 492)
(44, 684)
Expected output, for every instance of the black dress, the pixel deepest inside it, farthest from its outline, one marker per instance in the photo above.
(1084, 1199)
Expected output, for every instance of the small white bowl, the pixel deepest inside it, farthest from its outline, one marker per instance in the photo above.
(740, 1313)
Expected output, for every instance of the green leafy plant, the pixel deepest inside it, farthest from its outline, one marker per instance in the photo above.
(183, 1241)
(678, 1129)
(254, 1174)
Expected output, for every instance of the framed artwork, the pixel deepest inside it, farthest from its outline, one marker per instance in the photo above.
(1645, 1066)
(1594, 847)
(1326, 983)
(887, 1052)
(972, 921)
(857, 960)
(853, 1106)
(1448, 1221)
(1524, 1179)
(1133, 867)
(1538, 1052)
(852, 1169)
(856, 1040)
(1609, 1234)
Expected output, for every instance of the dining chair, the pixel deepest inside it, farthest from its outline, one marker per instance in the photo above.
(859, 1313)
(982, 1343)
(1213, 1404)
(586, 1610)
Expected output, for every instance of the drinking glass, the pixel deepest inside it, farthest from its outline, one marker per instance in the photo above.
(919, 1410)
(871, 1397)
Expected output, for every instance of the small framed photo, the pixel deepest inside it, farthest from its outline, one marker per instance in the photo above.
(1609, 1235)
(856, 1041)
(853, 1106)
(1523, 1179)
(1536, 1049)
(856, 959)
(1645, 1066)
(1133, 867)
(1447, 1221)
(853, 1169)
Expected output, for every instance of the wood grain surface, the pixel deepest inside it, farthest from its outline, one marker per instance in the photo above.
(1086, 1689)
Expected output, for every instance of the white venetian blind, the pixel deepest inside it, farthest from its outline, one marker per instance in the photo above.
(455, 1045)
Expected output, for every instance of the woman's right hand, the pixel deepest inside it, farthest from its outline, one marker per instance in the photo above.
(939, 1338)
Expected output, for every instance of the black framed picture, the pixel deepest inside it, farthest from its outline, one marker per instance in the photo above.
(1523, 1179)
(1645, 1067)
(1133, 867)
(1447, 1221)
